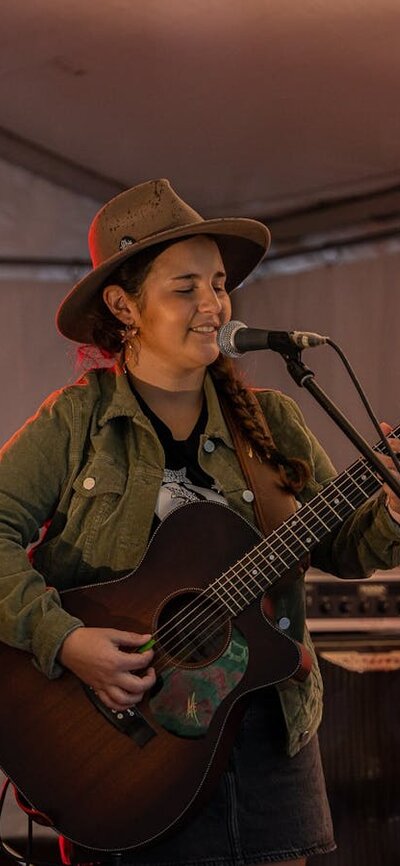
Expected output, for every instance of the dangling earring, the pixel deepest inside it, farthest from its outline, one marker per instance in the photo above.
(128, 348)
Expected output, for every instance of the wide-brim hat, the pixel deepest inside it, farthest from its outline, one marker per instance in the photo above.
(140, 217)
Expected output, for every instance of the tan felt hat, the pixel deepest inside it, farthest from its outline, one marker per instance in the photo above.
(140, 217)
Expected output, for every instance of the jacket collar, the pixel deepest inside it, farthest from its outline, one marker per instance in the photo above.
(216, 427)
(119, 401)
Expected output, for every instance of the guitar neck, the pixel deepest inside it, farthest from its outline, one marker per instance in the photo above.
(276, 555)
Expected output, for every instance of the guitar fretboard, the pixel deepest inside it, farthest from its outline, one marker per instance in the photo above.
(274, 557)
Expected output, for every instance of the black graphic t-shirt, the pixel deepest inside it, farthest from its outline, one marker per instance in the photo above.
(184, 480)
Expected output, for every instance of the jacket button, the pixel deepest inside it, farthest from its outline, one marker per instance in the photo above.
(248, 495)
(209, 446)
(89, 483)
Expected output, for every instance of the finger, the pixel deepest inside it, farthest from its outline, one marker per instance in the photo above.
(128, 638)
(387, 461)
(115, 700)
(118, 697)
(394, 443)
(138, 661)
(134, 661)
(386, 428)
(133, 684)
(389, 464)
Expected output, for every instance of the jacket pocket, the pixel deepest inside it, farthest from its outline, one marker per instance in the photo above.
(81, 546)
(97, 490)
(98, 478)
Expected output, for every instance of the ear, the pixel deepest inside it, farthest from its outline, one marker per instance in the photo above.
(120, 304)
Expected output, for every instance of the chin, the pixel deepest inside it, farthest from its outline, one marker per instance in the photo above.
(210, 356)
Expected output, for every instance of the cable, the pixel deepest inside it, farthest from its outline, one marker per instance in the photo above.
(365, 401)
(8, 852)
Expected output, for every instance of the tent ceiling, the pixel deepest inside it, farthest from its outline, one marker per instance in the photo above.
(255, 107)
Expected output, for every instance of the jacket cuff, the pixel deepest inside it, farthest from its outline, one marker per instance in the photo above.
(48, 638)
(394, 514)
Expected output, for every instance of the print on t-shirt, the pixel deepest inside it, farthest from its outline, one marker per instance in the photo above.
(177, 489)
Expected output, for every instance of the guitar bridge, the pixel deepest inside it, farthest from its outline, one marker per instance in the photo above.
(130, 722)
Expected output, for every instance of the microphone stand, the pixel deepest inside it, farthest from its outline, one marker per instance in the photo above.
(305, 378)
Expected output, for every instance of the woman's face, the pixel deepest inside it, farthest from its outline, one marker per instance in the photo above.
(183, 304)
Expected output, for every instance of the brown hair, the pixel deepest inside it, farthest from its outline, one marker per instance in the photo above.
(247, 411)
(108, 333)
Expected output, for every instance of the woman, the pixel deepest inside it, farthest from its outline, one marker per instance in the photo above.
(105, 460)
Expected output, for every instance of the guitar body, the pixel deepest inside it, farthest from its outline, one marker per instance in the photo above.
(108, 788)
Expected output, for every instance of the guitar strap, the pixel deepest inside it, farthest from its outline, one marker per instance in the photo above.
(273, 502)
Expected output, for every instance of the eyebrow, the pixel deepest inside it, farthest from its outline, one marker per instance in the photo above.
(197, 276)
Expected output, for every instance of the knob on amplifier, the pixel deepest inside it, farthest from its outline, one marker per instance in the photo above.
(334, 604)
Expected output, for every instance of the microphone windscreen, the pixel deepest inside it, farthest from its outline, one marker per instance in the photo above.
(226, 338)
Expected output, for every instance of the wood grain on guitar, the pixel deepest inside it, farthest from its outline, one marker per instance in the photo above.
(122, 783)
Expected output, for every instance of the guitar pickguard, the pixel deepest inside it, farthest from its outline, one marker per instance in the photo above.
(189, 698)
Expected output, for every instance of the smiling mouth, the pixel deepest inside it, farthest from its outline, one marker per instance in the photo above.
(204, 329)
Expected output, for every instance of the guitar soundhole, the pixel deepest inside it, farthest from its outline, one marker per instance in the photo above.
(192, 629)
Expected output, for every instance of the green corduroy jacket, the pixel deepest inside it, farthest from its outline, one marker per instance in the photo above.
(99, 529)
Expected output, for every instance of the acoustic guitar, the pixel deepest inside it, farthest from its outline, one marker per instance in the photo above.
(119, 780)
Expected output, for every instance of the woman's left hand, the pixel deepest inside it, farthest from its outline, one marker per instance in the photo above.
(392, 501)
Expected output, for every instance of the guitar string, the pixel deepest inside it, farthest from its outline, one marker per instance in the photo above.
(195, 607)
(263, 588)
(193, 649)
(330, 510)
(244, 566)
(349, 475)
(182, 646)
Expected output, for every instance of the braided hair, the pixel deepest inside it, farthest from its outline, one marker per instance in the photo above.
(247, 411)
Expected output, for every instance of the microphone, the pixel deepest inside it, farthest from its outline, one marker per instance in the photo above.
(235, 338)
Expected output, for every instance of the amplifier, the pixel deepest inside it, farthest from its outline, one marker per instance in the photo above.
(341, 605)
(356, 633)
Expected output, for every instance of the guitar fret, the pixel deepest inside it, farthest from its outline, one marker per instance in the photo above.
(259, 585)
(269, 562)
(306, 534)
(294, 551)
(273, 557)
(358, 489)
(214, 590)
(298, 539)
(252, 592)
(318, 516)
(254, 573)
(246, 586)
(363, 492)
(253, 570)
(237, 588)
(233, 575)
(285, 542)
(334, 513)
(341, 505)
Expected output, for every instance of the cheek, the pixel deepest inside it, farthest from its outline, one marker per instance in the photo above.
(226, 311)
(156, 319)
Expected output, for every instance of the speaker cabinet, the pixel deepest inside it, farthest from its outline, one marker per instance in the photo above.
(360, 744)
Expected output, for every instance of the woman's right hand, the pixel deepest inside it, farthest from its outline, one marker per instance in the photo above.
(105, 659)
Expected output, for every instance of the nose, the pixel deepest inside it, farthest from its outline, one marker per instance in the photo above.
(208, 300)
